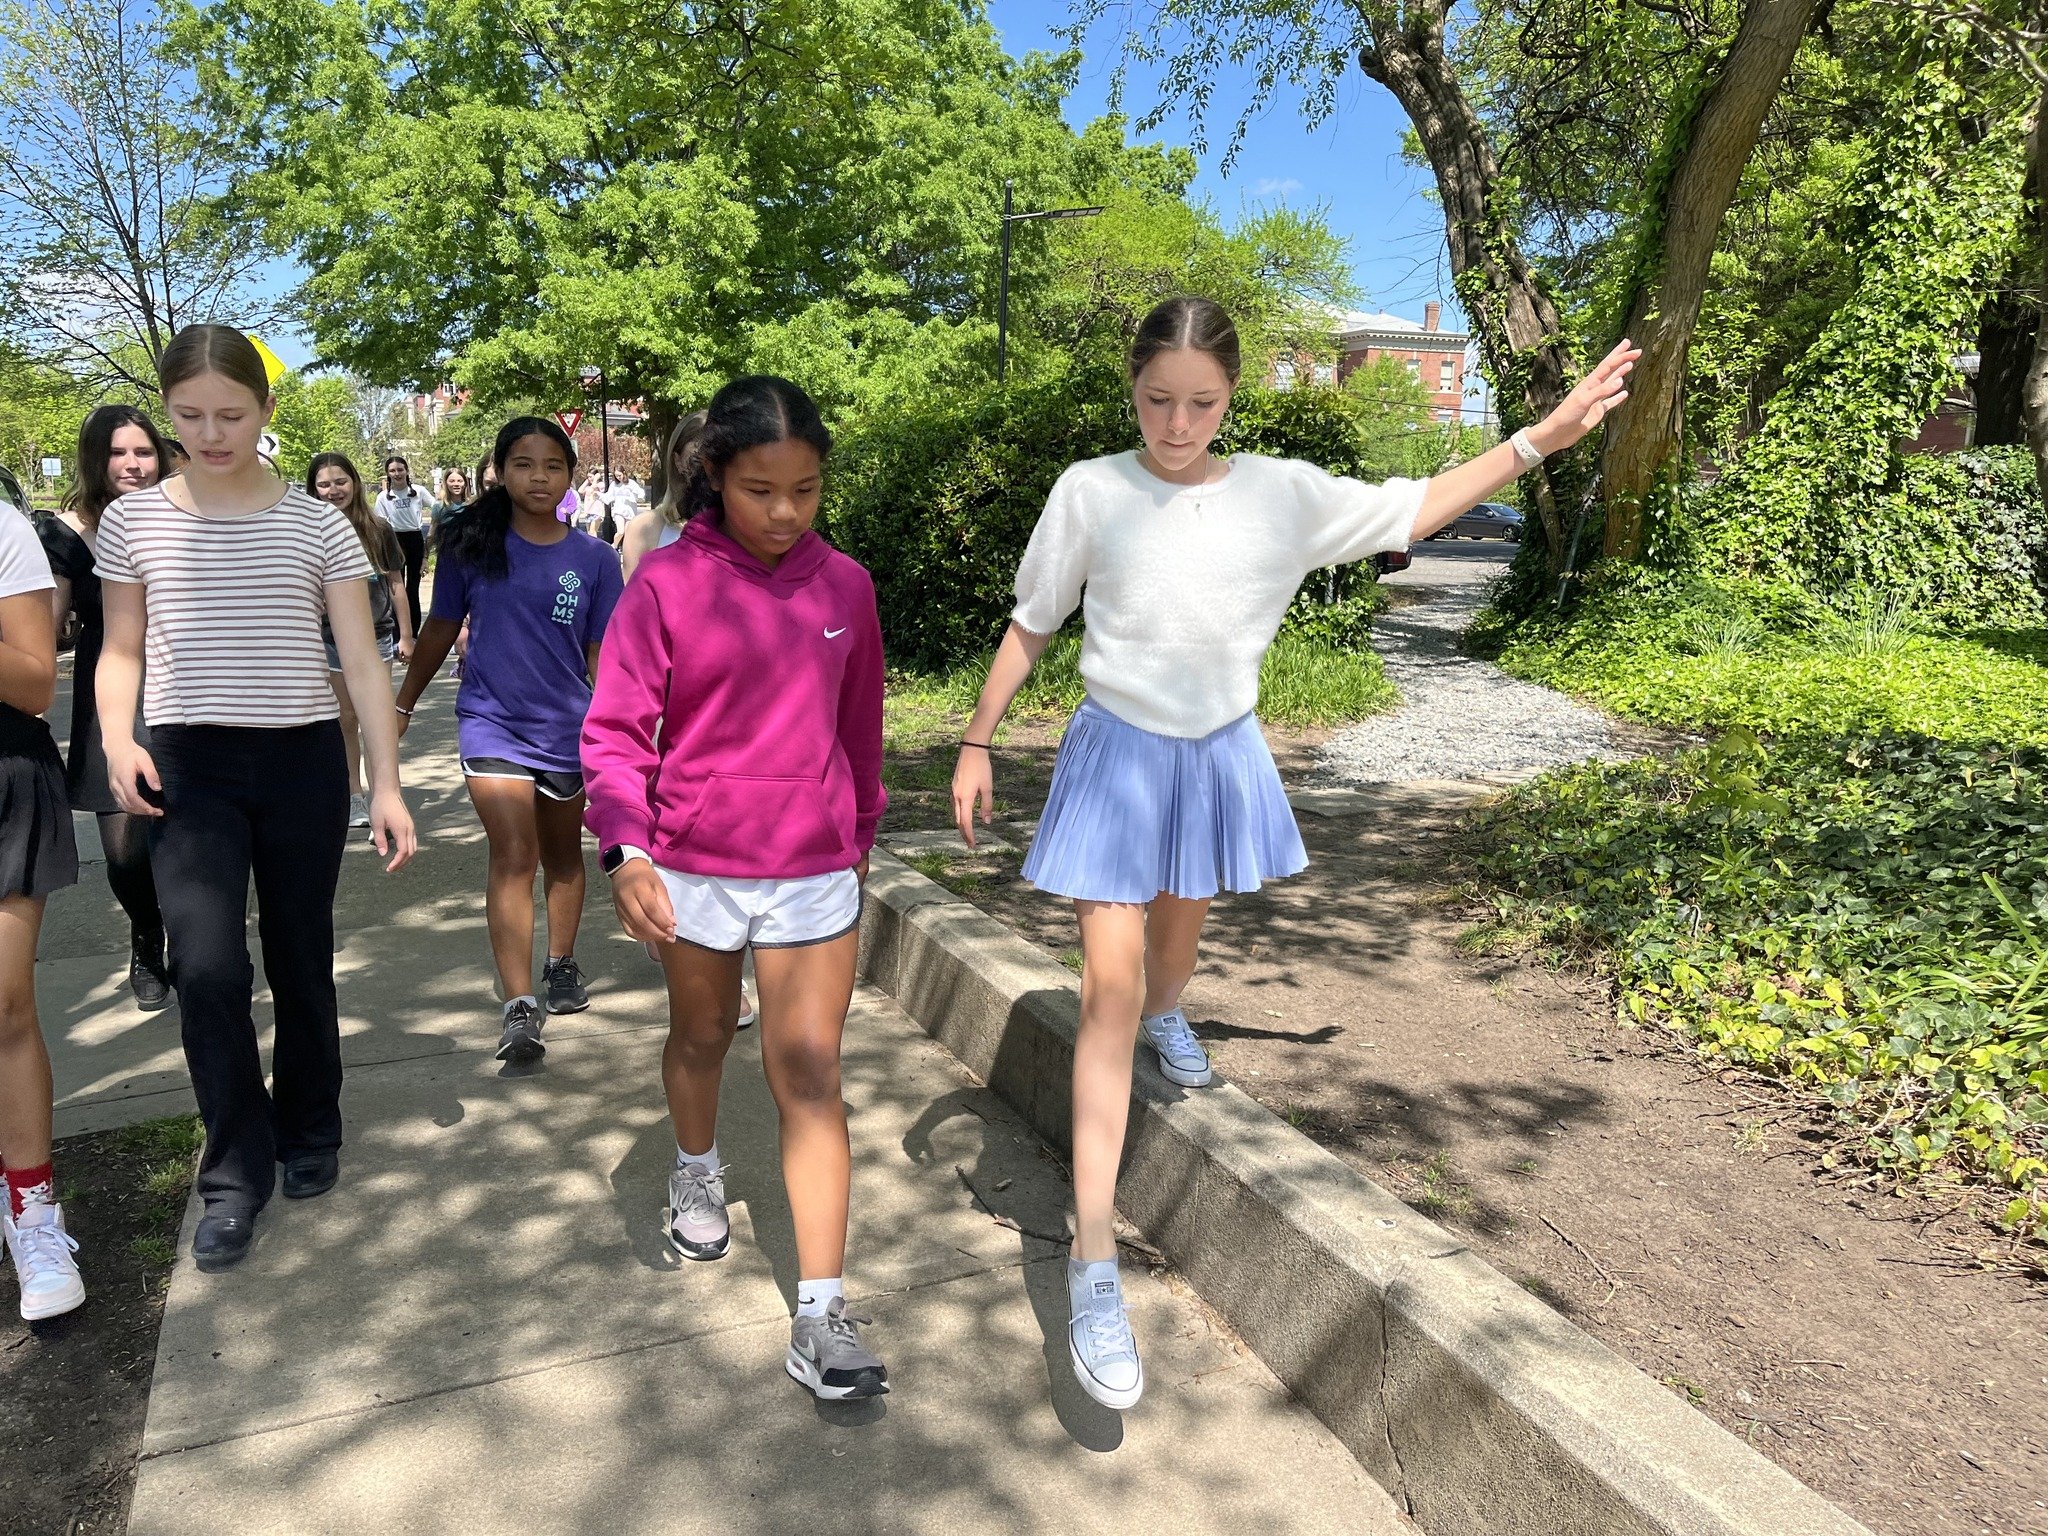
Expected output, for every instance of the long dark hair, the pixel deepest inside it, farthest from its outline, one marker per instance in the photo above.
(476, 534)
(747, 413)
(1202, 325)
(92, 489)
(665, 485)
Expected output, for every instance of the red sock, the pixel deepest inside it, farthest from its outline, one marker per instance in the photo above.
(30, 1186)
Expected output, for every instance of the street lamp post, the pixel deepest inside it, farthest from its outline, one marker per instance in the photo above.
(1003, 282)
(595, 376)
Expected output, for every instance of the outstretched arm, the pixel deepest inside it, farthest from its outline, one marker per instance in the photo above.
(1458, 490)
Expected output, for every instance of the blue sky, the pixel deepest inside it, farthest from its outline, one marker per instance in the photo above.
(1350, 166)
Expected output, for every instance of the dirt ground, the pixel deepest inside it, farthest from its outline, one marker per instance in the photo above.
(1682, 1219)
(76, 1387)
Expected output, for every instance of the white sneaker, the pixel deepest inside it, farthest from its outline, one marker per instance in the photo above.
(358, 811)
(748, 1011)
(1099, 1336)
(1181, 1057)
(42, 1252)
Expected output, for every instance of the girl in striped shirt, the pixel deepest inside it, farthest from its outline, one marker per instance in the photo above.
(222, 576)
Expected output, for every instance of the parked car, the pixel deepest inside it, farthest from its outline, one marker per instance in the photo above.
(11, 492)
(1488, 520)
(1387, 561)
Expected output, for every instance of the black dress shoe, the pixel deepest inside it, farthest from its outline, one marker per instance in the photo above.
(223, 1237)
(147, 977)
(313, 1174)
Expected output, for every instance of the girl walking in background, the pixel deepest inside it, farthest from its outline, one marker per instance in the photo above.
(119, 450)
(1164, 793)
(662, 524)
(537, 596)
(404, 506)
(731, 815)
(37, 856)
(455, 495)
(223, 575)
(333, 478)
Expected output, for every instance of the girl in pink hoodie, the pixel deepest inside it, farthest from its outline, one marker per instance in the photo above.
(733, 759)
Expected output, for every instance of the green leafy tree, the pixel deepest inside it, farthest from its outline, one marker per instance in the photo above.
(317, 413)
(109, 224)
(41, 409)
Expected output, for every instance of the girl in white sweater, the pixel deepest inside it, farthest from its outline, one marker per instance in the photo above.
(1164, 792)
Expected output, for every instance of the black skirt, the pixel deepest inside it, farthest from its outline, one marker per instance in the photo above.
(38, 854)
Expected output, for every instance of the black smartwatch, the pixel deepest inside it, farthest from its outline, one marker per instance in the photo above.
(610, 859)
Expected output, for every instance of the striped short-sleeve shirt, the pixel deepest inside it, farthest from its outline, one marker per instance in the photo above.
(235, 605)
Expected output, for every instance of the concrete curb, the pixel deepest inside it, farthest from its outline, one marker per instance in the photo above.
(1481, 1409)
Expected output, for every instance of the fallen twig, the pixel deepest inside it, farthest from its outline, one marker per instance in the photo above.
(999, 1218)
(1572, 1243)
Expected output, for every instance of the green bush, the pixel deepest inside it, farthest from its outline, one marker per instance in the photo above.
(1867, 918)
(939, 502)
(1714, 653)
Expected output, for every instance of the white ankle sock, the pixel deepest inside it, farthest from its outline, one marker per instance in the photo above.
(814, 1296)
(708, 1158)
(513, 1002)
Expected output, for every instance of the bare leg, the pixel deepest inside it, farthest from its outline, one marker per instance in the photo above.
(1112, 988)
(1173, 938)
(560, 824)
(703, 1008)
(803, 1001)
(505, 806)
(25, 1088)
(351, 732)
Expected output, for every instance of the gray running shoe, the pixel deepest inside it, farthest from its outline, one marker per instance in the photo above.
(698, 1227)
(563, 984)
(825, 1354)
(358, 810)
(520, 1044)
(1181, 1057)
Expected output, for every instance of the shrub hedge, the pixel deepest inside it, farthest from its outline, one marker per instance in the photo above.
(939, 502)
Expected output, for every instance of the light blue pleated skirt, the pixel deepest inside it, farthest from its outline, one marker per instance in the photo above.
(1132, 815)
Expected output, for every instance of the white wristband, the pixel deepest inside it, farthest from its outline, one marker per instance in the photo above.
(628, 853)
(1526, 451)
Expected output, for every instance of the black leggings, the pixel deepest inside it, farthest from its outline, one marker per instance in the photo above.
(272, 803)
(412, 543)
(125, 840)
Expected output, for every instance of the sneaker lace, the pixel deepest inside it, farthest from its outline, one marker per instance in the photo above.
(1172, 1031)
(523, 1016)
(564, 970)
(843, 1325)
(697, 1199)
(44, 1248)
(1109, 1331)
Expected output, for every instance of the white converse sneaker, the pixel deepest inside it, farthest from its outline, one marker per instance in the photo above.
(1099, 1336)
(1181, 1057)
(42, 1252)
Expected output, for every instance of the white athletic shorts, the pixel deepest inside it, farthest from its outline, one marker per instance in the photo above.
(713, 912)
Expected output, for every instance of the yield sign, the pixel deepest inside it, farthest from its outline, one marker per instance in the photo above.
(569, 420)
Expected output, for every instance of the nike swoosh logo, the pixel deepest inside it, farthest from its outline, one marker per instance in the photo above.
(834, 634)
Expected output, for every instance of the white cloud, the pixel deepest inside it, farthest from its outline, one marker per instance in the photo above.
(1274, 187)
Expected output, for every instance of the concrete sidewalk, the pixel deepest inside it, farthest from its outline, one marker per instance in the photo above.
(481, 1328)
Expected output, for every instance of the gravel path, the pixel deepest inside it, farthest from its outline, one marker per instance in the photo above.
(1462, 718)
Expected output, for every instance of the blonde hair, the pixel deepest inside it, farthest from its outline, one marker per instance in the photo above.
(672, 503)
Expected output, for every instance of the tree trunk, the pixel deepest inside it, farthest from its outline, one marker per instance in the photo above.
(1715, 140)
(1514, 319)
(2034, 396)
(2009, 327)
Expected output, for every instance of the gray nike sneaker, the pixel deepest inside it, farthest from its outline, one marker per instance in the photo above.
(698, 1227)
(520, 1044)
(825, 1354)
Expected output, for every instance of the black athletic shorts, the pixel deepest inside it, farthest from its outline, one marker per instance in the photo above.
(555, 783)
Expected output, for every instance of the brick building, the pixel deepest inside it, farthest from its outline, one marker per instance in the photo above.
(1433, 355)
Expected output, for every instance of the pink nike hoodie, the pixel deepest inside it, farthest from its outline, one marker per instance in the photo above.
(736, 728)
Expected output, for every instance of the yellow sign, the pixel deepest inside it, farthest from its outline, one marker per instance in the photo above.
(273, 368)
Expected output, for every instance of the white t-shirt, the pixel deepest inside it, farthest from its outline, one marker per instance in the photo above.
(23, 565)
(404, 511)
(235, 605)
(1186, 585)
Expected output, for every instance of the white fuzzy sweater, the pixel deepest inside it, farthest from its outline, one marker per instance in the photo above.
(1186, 585)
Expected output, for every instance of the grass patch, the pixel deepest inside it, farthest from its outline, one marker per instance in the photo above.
(1304, 682)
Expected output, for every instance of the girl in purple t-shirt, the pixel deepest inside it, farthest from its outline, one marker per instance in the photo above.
(537, 596)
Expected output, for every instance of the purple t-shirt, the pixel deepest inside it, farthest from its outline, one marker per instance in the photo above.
(524, 688)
